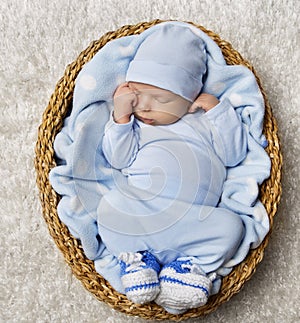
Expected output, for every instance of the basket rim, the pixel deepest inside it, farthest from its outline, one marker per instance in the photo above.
(52, 121)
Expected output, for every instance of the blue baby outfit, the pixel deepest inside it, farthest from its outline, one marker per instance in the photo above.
(84, 179)
(182, 168)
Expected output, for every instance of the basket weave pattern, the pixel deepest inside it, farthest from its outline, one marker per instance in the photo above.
(59, 105)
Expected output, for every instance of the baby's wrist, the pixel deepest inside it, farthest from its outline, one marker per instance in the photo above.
(210, 107)
(121, 119)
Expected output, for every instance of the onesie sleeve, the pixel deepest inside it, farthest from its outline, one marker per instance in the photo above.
(120, 143)
(228, 133)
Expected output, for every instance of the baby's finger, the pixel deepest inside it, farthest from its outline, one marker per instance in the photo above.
(194, 107)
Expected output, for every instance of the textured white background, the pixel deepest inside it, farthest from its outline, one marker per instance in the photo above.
(37, 40)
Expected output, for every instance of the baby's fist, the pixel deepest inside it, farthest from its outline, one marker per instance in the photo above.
(205, 101)
(124, 101)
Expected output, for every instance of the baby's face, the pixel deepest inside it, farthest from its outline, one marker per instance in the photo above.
(156, 106)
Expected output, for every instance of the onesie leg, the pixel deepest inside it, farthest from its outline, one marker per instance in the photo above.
(139, 276)
(212, 237)
(184, 285)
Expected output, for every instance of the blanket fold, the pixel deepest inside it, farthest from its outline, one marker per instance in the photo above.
(83, 176)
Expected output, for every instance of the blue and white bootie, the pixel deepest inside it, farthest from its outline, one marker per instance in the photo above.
(139, 276)
(183, 285)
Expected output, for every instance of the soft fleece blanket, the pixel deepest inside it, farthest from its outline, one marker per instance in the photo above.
(82, 175)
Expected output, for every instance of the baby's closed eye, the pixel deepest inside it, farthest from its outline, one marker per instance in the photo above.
(162, 99)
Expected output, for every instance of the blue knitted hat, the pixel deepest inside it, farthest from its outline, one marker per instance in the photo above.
(172, 58)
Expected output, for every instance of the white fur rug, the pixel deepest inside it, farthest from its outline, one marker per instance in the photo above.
(37, 40)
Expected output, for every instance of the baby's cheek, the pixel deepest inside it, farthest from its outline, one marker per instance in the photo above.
(167, 118)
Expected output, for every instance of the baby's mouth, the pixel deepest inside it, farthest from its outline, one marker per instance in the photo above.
(146, 120)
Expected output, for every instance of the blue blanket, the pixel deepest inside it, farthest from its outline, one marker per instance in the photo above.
(83, 176)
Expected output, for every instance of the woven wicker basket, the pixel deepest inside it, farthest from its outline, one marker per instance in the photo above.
(53, 117)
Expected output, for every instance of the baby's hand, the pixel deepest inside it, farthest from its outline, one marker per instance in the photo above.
(205, 101)
(124, 101)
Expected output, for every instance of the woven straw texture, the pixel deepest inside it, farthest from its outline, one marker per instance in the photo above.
(59, 105)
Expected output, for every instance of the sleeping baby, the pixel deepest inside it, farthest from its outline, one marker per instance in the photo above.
(172, 144)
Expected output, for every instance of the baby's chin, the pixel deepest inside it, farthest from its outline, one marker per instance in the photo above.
(153, 122)
(157, 121)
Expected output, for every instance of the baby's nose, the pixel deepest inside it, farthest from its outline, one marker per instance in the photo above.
(146, 108)
(144, 103)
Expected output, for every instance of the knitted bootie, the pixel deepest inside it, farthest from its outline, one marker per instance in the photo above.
(139, 275)
(183, 285)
